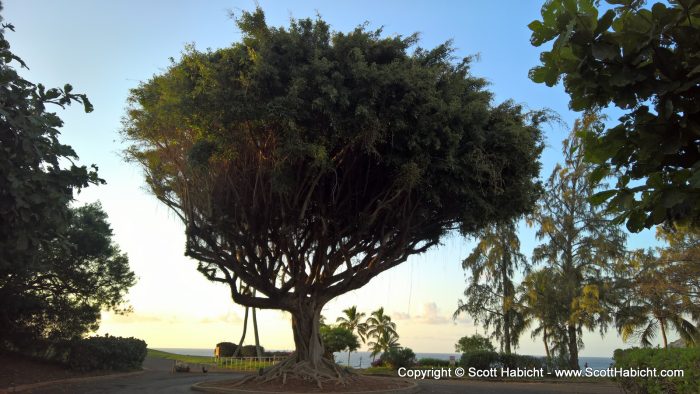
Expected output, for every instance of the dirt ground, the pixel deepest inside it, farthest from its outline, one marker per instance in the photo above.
(294, 385)
(17, 370)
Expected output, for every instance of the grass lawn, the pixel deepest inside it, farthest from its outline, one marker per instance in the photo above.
(180, 357)
(239, 365)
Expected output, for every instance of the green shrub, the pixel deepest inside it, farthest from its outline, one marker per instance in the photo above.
(479, 359)
(520, 361)
(226, 349)
(433, 362)
(107, 353)
(687, 359)
(397, 358)
(249, 351)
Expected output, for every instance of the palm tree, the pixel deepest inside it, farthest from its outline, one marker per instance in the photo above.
(381, 328)
(490, 296)
(539, 300)
(652, 302)
(386, 341)
(351, 321)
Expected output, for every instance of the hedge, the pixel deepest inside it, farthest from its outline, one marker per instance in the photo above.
(107, 353)
(485, 360)
(226, 349)
(686, 359)
(433, 362)
(397, 358)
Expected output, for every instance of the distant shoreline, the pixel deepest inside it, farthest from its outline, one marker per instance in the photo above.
(363, 359)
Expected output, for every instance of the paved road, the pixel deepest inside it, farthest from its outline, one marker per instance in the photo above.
(159, 379)
(156, 379)
(482, 387)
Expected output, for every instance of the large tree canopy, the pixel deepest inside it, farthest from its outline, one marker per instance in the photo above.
(58, 267)
(36, 185)
(645, 61)
(304, 162)
(73, 279)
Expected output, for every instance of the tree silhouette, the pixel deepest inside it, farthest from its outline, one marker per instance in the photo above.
(352, 322)
(580, 242)
(490, 295)
(305, 162)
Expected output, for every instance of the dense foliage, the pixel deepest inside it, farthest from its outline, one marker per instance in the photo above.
(579, 243)
(337, 339)
(473, 343)
(685, 359)
(58, 266)
(73, 279)
(107, 353)
(483, 360)
(660, 289)
(304, 162)
(490, 293)
(37, 172)
(645, 61)
(433, 362)
(226, 349)
(396, 358)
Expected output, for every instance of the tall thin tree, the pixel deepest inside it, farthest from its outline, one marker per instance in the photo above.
(490, 295)
(579, 241)
(352, 321)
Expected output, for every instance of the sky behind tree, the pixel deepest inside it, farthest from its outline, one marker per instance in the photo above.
(104, 48)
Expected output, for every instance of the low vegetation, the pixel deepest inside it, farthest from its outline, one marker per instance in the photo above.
(687, 360)
(110, 353)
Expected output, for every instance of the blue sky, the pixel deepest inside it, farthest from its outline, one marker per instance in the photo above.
(104, 48)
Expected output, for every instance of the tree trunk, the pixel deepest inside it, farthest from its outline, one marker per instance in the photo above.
(258, 351)
(348, 357)
(245, 326)
(662, 323)
(307, 339)
(506, 304)
(573, 347)
(546, 345)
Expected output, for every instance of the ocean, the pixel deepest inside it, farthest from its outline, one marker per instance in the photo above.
(363, 359)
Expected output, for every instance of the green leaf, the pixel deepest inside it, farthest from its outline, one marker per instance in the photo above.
(601, 197)
(605, 22)
(605, 51)
(87, 104)
(598, 174)
(671, 198)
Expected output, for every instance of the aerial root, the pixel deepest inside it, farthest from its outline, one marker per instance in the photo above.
(326, 373)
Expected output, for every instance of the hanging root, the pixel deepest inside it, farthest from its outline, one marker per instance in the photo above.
(327, 372)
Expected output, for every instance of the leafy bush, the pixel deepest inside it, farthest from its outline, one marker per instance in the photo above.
(397, 358)
(249, 351)
(474, 343)
(109, 353)
(479, 359)
(433, 362)
(520, 361)
(226, 349)
(687, 359)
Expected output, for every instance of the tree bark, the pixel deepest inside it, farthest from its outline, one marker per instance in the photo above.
(662, 323)
(258, 351)
(573, 347)
(245, 326)
(307, 339)
(545, 337)
(506, 304)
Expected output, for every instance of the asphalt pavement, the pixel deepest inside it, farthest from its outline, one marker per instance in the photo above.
(158, 378)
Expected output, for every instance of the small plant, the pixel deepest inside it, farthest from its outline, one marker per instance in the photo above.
(397, 358)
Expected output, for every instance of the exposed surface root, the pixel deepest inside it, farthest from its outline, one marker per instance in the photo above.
(326, 373)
